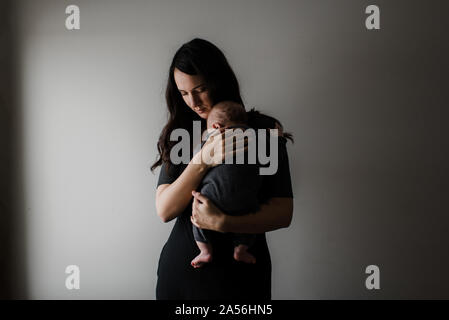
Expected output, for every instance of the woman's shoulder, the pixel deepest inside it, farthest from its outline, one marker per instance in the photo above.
(258, 120)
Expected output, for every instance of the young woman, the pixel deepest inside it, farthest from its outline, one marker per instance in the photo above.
(200, 77)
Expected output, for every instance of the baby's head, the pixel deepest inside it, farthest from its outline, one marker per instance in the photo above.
(225, 114)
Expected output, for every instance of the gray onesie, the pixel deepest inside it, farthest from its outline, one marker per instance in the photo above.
(234, 189)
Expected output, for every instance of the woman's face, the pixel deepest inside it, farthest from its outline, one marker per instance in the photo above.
(194, 92)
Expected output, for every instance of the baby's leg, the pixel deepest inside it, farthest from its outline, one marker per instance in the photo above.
(241, 254)
(205, 255)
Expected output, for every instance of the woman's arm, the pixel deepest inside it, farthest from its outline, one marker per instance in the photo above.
(172, 199)
(276, 214)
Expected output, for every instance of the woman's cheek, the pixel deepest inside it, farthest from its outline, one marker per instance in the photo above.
(186, 101)
(207, 100)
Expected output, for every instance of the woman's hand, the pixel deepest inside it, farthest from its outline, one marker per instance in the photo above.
(205, 215)
(214, 150)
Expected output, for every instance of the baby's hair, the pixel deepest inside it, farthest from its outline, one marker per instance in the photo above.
(229, 112)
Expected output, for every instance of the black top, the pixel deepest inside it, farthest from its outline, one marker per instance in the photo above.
(223, 277)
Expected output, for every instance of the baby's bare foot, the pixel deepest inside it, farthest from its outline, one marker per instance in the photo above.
(201, 259)
(241, 254)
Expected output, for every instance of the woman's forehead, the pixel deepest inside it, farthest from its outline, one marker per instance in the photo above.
(187, 82)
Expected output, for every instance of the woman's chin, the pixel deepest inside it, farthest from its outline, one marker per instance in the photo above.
(203, 115)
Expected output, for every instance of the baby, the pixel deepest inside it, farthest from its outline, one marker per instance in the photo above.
(233, 188)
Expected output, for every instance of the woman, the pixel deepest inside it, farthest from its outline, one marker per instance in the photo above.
(200, 77)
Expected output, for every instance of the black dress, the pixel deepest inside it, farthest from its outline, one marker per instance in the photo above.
(222, 278)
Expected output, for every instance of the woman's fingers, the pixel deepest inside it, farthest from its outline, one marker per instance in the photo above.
(199, 197)
(219, 148)
(194, 222)
(194, 211)
(240, 151)
(238, 148)
(212, 137)
(227, 139)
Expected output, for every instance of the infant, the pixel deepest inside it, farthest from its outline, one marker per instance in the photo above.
(233, 188)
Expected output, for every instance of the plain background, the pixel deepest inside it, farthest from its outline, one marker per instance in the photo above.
(368, 165)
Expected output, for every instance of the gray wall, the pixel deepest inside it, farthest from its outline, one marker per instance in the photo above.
(365, 108)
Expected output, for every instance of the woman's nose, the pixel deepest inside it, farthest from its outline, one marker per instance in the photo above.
(194, 101)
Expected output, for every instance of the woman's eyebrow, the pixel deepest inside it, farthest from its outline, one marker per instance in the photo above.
(194, 87)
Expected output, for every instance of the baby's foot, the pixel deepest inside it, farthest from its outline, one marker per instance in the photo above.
(241, 254)
(201, 259)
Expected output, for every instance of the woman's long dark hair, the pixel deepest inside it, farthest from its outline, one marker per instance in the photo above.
(196, 57)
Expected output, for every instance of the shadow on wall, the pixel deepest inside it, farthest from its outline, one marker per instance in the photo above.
(12, 253)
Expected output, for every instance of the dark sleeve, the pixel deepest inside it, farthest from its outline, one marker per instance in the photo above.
(279, 184)
(168, 176)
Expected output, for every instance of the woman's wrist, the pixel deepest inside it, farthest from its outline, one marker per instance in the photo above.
(197, 161)
(224, 223)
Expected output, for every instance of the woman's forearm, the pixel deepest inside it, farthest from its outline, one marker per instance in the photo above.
(172, 199)
(274, 215)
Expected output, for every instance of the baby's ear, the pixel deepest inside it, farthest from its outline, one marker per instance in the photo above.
(216, 125)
